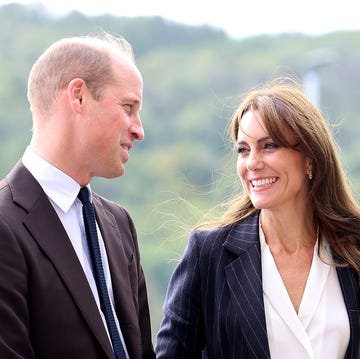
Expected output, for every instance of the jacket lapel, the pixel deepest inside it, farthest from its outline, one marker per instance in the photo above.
(119, 263)
(243, 276)
(351, 291)
(47, 230)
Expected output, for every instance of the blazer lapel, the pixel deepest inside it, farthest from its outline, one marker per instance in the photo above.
(243, 275)
(351, 291)
(119, 265)
(48, 231)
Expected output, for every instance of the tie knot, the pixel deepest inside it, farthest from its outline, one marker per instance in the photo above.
(84, 195)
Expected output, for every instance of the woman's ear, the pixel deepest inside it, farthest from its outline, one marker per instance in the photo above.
(76, 90)
(309, 168)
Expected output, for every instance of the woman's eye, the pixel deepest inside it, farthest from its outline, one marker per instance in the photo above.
(241, 150)
(271, 146)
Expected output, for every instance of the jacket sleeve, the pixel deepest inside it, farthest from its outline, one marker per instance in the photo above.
(181, 333)
(14, 315)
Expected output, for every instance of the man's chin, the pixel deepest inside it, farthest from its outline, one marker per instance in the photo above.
(114, 174)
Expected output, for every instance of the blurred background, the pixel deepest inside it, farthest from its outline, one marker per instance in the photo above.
(197, 60)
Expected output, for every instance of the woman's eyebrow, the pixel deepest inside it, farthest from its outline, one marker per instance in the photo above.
(259, 141)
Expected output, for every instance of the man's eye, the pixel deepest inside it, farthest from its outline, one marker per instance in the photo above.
(128, 108)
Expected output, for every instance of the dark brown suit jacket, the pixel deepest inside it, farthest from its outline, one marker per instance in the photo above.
(47, 309)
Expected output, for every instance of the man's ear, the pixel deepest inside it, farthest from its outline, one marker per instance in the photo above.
(76, 90)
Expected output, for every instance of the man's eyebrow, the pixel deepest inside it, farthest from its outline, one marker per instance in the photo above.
(131, 99)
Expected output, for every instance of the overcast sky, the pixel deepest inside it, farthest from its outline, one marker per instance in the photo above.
(238, 18)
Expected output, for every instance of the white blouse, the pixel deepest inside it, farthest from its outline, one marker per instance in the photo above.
(321, 329)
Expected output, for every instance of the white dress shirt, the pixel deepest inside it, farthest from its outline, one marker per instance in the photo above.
(62, 192)
(320, 329)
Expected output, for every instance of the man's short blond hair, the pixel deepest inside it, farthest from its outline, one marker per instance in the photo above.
(89, 58)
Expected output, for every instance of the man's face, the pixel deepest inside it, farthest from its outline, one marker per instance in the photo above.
(114, 123)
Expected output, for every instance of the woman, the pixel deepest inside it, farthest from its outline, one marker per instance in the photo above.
(278, 274)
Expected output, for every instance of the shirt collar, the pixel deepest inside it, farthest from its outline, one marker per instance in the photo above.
(57, 185)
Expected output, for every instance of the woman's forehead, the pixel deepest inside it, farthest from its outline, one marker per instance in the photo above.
(253, 125)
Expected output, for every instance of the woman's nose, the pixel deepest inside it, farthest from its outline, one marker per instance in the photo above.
(254, 161)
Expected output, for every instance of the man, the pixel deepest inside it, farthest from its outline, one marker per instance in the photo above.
(85, 95)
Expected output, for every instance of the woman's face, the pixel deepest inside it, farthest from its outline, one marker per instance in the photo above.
(274, 177)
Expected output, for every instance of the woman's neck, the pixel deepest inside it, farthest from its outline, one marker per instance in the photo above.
(288, 232)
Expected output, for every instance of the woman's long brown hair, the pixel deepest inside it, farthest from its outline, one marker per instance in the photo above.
(283, 105)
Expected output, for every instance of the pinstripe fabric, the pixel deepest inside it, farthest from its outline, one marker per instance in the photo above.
(214, 305)
(350, 288)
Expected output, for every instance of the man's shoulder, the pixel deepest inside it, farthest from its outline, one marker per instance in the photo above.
(107, 203)
(118, 211)
(4, 186)
(5, 191)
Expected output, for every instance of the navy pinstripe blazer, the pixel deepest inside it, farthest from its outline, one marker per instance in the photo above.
(214, 306)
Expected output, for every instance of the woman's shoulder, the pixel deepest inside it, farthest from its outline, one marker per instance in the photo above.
(218, 235)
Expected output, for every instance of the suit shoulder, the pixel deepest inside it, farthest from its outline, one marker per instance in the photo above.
(206, 241)
(4, 187)
(119, 213)
(112, 206)
(216, 237)
(213, 234)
